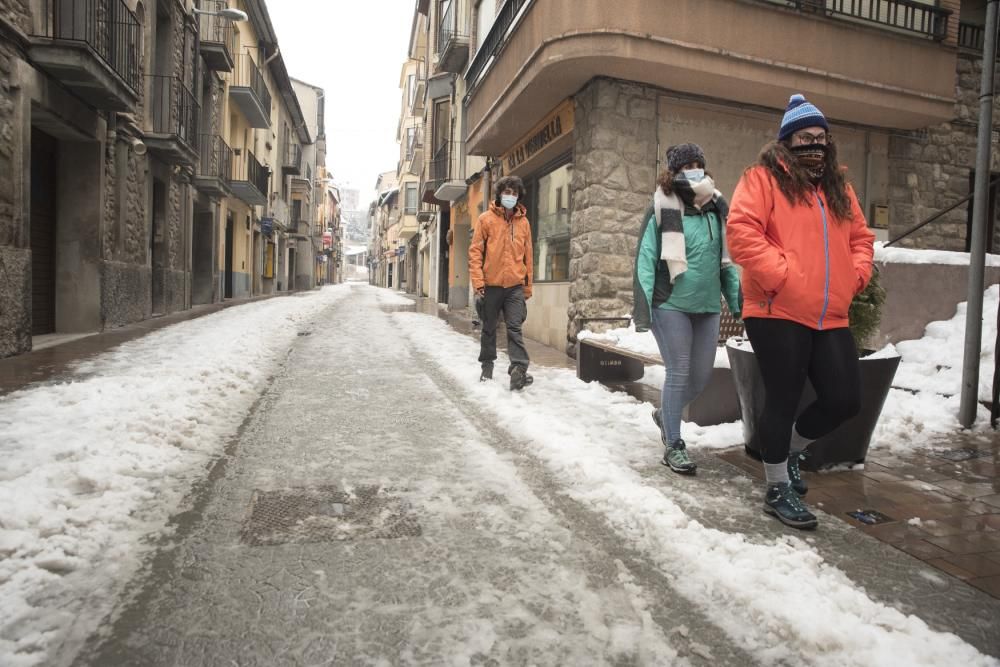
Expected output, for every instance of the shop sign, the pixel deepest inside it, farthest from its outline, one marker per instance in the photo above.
(267, 226)
(327, 239)
(557, 124)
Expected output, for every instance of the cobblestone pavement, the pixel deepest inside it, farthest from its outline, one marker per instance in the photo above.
(370, 513)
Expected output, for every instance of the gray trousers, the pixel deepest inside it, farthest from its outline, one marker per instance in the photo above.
(509, 301)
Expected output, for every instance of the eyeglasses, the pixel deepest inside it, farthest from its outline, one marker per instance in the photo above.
(807, 138)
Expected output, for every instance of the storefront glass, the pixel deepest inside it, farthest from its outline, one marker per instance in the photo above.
(551, 200)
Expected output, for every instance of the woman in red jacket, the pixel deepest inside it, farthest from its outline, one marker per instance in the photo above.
(797, 230)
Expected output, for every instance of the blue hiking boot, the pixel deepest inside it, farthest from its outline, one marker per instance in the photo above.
(785, 504)
(795, 474)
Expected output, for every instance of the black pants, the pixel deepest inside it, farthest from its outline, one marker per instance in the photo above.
(788, 353)
(509, 301)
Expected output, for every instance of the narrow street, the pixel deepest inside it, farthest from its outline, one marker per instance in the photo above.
(380, 506)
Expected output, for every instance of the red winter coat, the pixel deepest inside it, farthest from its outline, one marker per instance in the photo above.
(799, 262)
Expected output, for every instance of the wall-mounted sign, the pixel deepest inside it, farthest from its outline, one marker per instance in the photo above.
(557, 124)
(267, 226)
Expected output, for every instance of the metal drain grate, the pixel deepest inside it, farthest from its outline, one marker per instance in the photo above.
(327, 514)
(870, 517)
(963, 454)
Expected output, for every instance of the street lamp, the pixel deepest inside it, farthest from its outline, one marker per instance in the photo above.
(228, 14)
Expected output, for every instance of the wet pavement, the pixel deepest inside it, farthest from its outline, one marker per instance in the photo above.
(369, 512)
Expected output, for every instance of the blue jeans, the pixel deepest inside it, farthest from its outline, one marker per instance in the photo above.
(687, 343)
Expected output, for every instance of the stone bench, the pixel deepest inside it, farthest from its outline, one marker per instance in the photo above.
(603, 361)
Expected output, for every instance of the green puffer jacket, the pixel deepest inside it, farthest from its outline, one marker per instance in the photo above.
(700, 288)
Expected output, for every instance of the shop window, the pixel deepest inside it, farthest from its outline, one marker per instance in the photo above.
(410, 202)
(551, 200)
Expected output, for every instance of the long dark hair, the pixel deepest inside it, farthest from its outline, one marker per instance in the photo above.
(793, 179)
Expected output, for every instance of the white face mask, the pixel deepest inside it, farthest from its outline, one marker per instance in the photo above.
(694, 175)
(508, 201)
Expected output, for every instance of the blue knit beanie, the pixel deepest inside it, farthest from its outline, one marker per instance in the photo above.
(800, 114)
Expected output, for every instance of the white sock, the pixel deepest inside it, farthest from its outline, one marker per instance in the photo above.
(776, 473)
(798, 442)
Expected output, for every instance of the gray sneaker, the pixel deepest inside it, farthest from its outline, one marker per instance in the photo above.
(676, 458)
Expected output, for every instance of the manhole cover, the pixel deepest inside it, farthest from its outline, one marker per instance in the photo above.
(327, 514)
(870, 517)
(963, 454)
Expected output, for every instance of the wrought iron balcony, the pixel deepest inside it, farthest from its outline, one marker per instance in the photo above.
(215, 166)
(292, 162)
(971, 36)
(93, 47)
(905, 15)
(249, 92)
(452, 43)
(250, 178)
(175, 112)
(217, 37)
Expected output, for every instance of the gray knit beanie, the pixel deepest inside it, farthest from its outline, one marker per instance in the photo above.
(682, 154)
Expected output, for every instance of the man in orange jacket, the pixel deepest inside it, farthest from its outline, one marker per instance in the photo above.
(500, 265)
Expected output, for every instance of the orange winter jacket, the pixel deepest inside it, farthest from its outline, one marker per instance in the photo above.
(501, 254)
(799, 262)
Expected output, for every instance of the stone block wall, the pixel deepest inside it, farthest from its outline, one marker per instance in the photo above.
(613, 180)
(15, 253)
(929, 170)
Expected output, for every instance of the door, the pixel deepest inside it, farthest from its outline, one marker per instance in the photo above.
(443, 248)
(228, 287)
(291, 269)
(44, 150)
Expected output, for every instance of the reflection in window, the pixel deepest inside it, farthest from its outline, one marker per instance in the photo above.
(551, 222)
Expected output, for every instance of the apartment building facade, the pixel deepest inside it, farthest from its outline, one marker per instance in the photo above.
(582, 101)
(142, 163)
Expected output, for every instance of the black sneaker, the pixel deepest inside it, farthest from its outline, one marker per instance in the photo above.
(785, 504)
(518, 378)
(487, 373)
(795, 474)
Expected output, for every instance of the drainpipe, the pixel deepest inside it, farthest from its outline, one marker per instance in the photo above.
(977, 248)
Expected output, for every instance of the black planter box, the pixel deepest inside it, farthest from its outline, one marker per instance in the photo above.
(848, 443)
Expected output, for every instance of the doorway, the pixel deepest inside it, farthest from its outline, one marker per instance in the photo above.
(228, 282)
(156, 246)
(202, 260)
(44, 154)
(443, 272)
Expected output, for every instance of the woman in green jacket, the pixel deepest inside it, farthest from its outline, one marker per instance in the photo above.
(682, 269)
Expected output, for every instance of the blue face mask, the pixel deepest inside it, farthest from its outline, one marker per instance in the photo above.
(508, 201)
(694, 175)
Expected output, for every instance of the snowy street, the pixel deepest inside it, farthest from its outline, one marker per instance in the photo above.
(322, 479)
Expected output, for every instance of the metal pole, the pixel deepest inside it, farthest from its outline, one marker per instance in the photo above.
(977, 251)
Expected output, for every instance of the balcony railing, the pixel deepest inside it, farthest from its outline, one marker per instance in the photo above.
(175, 110)
(493, 42)
(452, 45)
(250, 92)
(217, 37)
(250, 178)
(440, 168)
(907, 15)
(108, 27)
(292, 162)
(215, 158)
(971, 36)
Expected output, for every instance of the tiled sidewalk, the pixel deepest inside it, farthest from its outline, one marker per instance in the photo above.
(942, 504)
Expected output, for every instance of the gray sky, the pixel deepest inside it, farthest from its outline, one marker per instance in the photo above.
(355, 51)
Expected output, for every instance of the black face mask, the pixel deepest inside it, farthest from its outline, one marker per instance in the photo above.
(812, 158)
